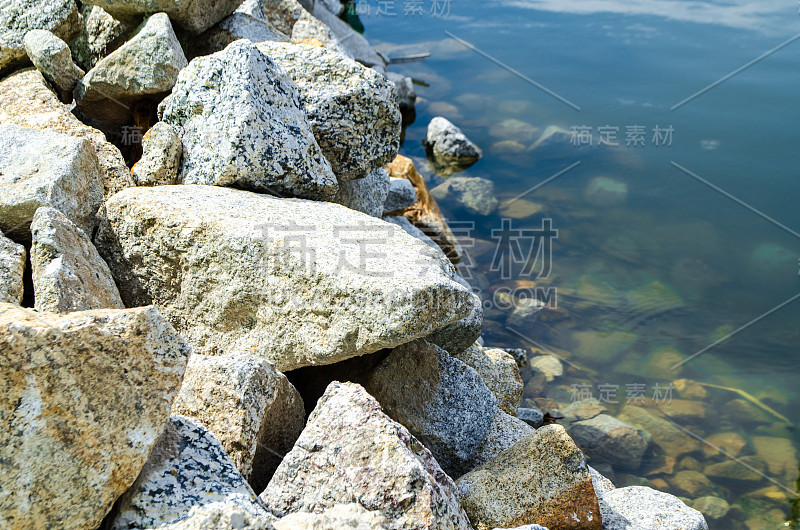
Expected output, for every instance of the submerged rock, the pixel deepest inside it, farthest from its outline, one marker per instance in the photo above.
(19, 17)
(68, 273)
(241, 124)
(145, 66)
(161, 157)
(280, 278)
(187, 471)
(12, 269)
(663, 434)
(543, 479)
(605, 192)
(248, 405)
(425, 214)
(351, 451)
(84, 397)
(352, 109)
(473, 193)
(195, 16)
(27, 101)
(449, 145)
(441, 401)
(52, 57)
(43, 168)
(366, 195)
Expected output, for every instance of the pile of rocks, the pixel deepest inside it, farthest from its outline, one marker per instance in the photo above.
(167, 329)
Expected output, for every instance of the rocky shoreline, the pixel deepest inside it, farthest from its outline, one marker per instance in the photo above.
(227, 301)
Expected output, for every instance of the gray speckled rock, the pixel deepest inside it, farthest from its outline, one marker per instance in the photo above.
(195, 16)
(365, 195)
(68, 273)
(188, 469)
(473, 193)
(161, 157)
(83, 398)
(352, 109)
(238, 26)
(607, 439)
(249, 406)
(242, 124)
(146, 65)
(533, 417)
(401, 195)
(448, 144)
(12, 268)
(100, 34)
(279, 278)
(281, 14)
(53, 58)
(27, 101)
(543, 479)
(460, 335)
(341, 516)
(43, 168)
(18, 17)
(406, 93)
(641, 508)
(350, 451)
(441, 400)
(308, 27)
(222, 516)
(499, 371)
(506, 431)
(357, 46)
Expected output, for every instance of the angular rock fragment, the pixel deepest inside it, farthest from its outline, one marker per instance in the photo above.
(42, 168)
(280, 278)
(145, 67)
(195, 16)
(350, 451)
(449, 145)
(506, 431)
(543, 479)
(352, 109)
(241, 124)
(100, 34)
(68, 273)
(26, 100)
(188, 470)
(12, 268)
(83, 398)
(21, 16)
(366, 195)
(401, 195)
(51, 56)
(499, 372)
(281, 14)
(161, 157)
(441, 401)
(425, 214)
(249, 406)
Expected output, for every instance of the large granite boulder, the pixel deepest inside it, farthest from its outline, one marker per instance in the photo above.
(83, 398)
(249, 406)
(350, 451)
(12, 268)
(543, 479)
(43, 168)
(188, 470)
(460, 335)
(309, 29)
(21, 16)
(145, 67)
(352, 109)
(297, 282)
(51, 56)
(27, 101)
(506, 431)
(242, 124)
(194, 16)
(223, 516)
(68, 273)
(401, 195)
(441, 400)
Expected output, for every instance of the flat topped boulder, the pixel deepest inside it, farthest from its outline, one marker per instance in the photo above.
(297, 282)
(83, 398)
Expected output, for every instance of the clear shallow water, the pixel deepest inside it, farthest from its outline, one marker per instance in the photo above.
(648, 280)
